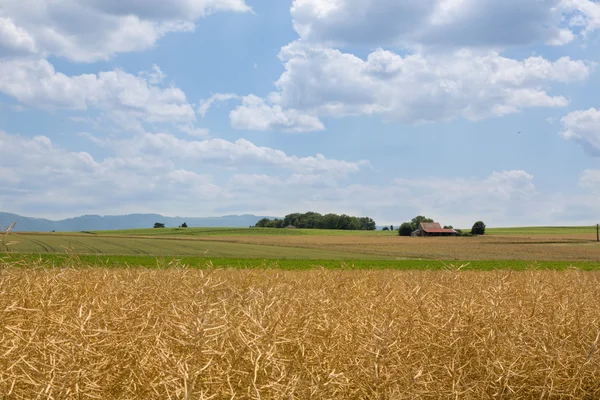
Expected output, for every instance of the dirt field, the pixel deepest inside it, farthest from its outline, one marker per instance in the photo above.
(166, 334)
(567, 247)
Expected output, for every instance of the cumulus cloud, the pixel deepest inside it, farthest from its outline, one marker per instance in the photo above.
(583, 126)
(239, 153)
(92, 30)
(455, 23)
(163, 173)
(320, 81)
(583, 15)
(255, 114)
(127, 99)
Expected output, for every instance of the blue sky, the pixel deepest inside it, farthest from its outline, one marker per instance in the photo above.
(461, 110)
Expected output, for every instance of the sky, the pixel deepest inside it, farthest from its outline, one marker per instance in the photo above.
(460, 110)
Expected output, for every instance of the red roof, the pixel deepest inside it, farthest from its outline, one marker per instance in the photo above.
(435, 227)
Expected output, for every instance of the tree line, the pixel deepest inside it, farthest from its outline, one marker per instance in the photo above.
(313, 220)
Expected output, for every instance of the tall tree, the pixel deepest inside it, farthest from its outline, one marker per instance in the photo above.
(416, 221)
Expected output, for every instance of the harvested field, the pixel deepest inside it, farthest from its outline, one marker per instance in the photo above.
(180, 333)
(519, 247)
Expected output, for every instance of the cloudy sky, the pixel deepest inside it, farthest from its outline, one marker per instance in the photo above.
(457, 109)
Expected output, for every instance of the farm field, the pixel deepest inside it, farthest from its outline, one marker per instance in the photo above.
(568, 244)
(553, 230)
(130, 245)
(320, 334)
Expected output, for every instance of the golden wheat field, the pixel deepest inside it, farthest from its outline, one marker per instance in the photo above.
(178, 333)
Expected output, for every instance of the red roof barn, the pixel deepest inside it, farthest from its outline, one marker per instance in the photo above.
(433, 229)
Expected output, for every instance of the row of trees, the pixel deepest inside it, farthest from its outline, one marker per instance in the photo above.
(313, 220)
(161, 225)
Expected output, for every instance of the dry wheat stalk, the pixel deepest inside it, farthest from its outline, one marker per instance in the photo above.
(199, 334)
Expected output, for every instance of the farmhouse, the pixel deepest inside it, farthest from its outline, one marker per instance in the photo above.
(433, 229)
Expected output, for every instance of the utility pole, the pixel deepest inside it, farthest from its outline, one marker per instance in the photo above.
(597, 232)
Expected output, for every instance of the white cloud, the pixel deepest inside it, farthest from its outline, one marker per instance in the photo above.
(127, 99)
(205, 105)
(155, 76)
(563, 37)
(583, 127)
(92, 30)
(150, 173)
(239, 153)
(194, 131)
(14, 39)
(499, 187)
(256, 114)
(320, 81)
(453, 23)
(582, 14)
(43, 179)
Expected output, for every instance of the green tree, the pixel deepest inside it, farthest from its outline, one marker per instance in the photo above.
(367, 224)
(448, 227)
(478, 228)
(406, 229)
(385, 228)
(159, 225)
(391, 227)
(263, 223)
(184, 225)
(416, 221)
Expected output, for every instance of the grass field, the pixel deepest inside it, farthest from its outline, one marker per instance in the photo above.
(182, 333)
(112, 261)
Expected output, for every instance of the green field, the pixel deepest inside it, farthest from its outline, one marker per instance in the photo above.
(79, 261)
(109, 245)
(541, 230)
(238, 232)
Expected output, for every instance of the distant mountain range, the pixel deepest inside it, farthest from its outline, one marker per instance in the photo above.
(112, 222)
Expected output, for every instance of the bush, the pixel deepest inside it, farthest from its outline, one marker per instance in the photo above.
(478, 228)
(405, 229)
(385, 228)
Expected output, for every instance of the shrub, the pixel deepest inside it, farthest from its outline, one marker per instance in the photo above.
(478, 228)
(405, 229)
